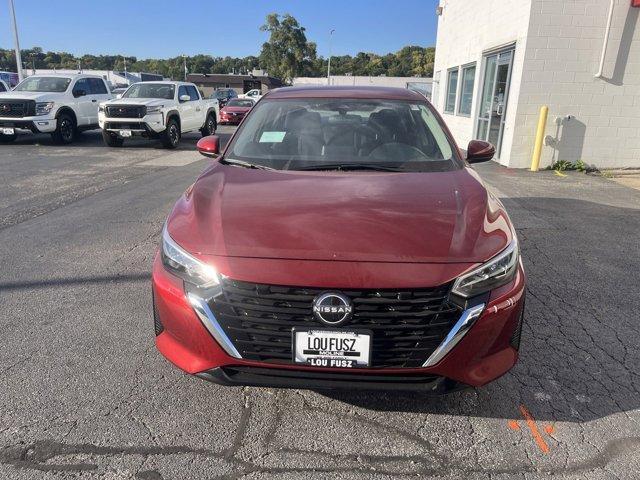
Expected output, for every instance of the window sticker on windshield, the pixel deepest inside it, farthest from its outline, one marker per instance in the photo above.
(415, 107)
(272, 137)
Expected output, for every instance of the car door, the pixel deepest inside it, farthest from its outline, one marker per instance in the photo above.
(198, 108)
(81, 92)
(186, 109)
(99, 93)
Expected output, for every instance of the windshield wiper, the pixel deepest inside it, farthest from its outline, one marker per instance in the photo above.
(350, 166)
(240, 163)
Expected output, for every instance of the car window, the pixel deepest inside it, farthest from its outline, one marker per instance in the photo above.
(2, 87)
(182, 90)
(150, 90)
(193, 92)
(43, 84)
(82, 84)
(298, 133)
(97, 86)
(240, 102)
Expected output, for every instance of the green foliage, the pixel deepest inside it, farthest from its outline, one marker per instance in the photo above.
(286, 54)
(563, 165)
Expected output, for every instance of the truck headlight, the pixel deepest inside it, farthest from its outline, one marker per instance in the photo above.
(155, 108)
(42, 108)
(183, 265)
(498, 271)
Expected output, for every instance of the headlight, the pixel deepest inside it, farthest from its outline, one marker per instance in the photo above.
(180, 263)
(42, 108)
(498, 271)
(155, 108)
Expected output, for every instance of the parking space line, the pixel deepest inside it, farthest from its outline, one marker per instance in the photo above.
(178, 159)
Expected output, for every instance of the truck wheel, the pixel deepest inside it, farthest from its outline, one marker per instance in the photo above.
(7, 138)
(65, 130)
(171, 135)
(209, 126)
(112, 139)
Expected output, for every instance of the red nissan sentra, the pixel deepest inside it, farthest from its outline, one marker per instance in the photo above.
(234, 111)
(340, 240)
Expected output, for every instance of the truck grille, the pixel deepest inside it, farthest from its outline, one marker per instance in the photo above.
(407, 325)
(17, 108)
(126, 111)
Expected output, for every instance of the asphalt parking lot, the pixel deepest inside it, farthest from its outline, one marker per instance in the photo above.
(84, 394)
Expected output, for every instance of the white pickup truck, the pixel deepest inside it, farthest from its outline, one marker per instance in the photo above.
(255, 94)
(163, 110)
(59, 104)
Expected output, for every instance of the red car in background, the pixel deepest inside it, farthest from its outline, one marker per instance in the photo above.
(341, 240)
(235, 110)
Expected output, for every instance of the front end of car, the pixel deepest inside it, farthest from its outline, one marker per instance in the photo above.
(127, 119)
(266, 322)
(20, 114)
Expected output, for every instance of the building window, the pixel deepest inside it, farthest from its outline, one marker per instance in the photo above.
(452, 89)
(466, 90)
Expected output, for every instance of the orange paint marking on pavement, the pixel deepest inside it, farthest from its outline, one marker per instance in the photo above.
(531, 423)
(514, 425)
(550, 429)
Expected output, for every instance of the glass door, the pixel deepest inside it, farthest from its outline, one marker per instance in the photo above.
(493, 102)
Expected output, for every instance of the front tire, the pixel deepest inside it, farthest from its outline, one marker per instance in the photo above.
(7, 138)
(111, 139)
(65, 130)
(171, 135)
(209, 126)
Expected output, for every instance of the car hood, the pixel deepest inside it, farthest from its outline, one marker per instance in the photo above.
(446, 217)
(149, 102)
(236, 109)
(37, 96)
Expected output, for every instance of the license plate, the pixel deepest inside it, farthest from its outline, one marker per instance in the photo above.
(125, 133)
(331, 348)
(8, 131)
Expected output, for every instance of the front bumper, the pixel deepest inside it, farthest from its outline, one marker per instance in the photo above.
(487, 350)
(40, 124)
(149, 125)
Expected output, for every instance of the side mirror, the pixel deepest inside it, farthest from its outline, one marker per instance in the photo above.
(184, 98)
(480, 151)
(209, 146)
(79, 93)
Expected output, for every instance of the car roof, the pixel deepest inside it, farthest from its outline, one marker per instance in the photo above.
(384, 93)
(72, 76)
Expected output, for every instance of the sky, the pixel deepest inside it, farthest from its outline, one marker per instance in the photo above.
(163, 28)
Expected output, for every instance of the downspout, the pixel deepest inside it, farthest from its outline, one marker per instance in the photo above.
(606, 40)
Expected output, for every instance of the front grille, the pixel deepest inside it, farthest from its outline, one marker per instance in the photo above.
(17, 108)
(517, 331)
(407, 325)
(126, 111)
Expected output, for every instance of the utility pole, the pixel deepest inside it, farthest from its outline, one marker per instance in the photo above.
(125, 70)
(329, 62)
(12, 11)
(184, 57)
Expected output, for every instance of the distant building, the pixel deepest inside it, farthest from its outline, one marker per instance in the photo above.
(116, 78)
(419, 84)
(208, 82)
(498, 62)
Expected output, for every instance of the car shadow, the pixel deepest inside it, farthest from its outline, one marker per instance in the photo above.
(579, 354)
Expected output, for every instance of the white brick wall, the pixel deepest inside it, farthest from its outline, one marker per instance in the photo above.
(465, 30)
(558, 45)
(606, 124)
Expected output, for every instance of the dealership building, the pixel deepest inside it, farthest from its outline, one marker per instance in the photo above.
(499, 61)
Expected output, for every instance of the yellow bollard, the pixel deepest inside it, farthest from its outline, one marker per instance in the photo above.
(537, 149)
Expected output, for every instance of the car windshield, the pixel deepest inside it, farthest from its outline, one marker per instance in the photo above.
(44, 84)
(238, 102)
(344, 134)
(150, 90)
(223, 93)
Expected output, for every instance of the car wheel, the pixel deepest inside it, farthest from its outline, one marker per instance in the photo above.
(209, 126)
(65, 130)
(171, 136)
(7, 138)
(112, 139)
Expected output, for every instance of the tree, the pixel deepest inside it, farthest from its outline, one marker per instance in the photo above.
(287, 54)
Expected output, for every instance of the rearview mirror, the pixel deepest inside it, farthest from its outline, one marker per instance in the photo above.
(184, 98)
(480, 151)
(209, 146)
